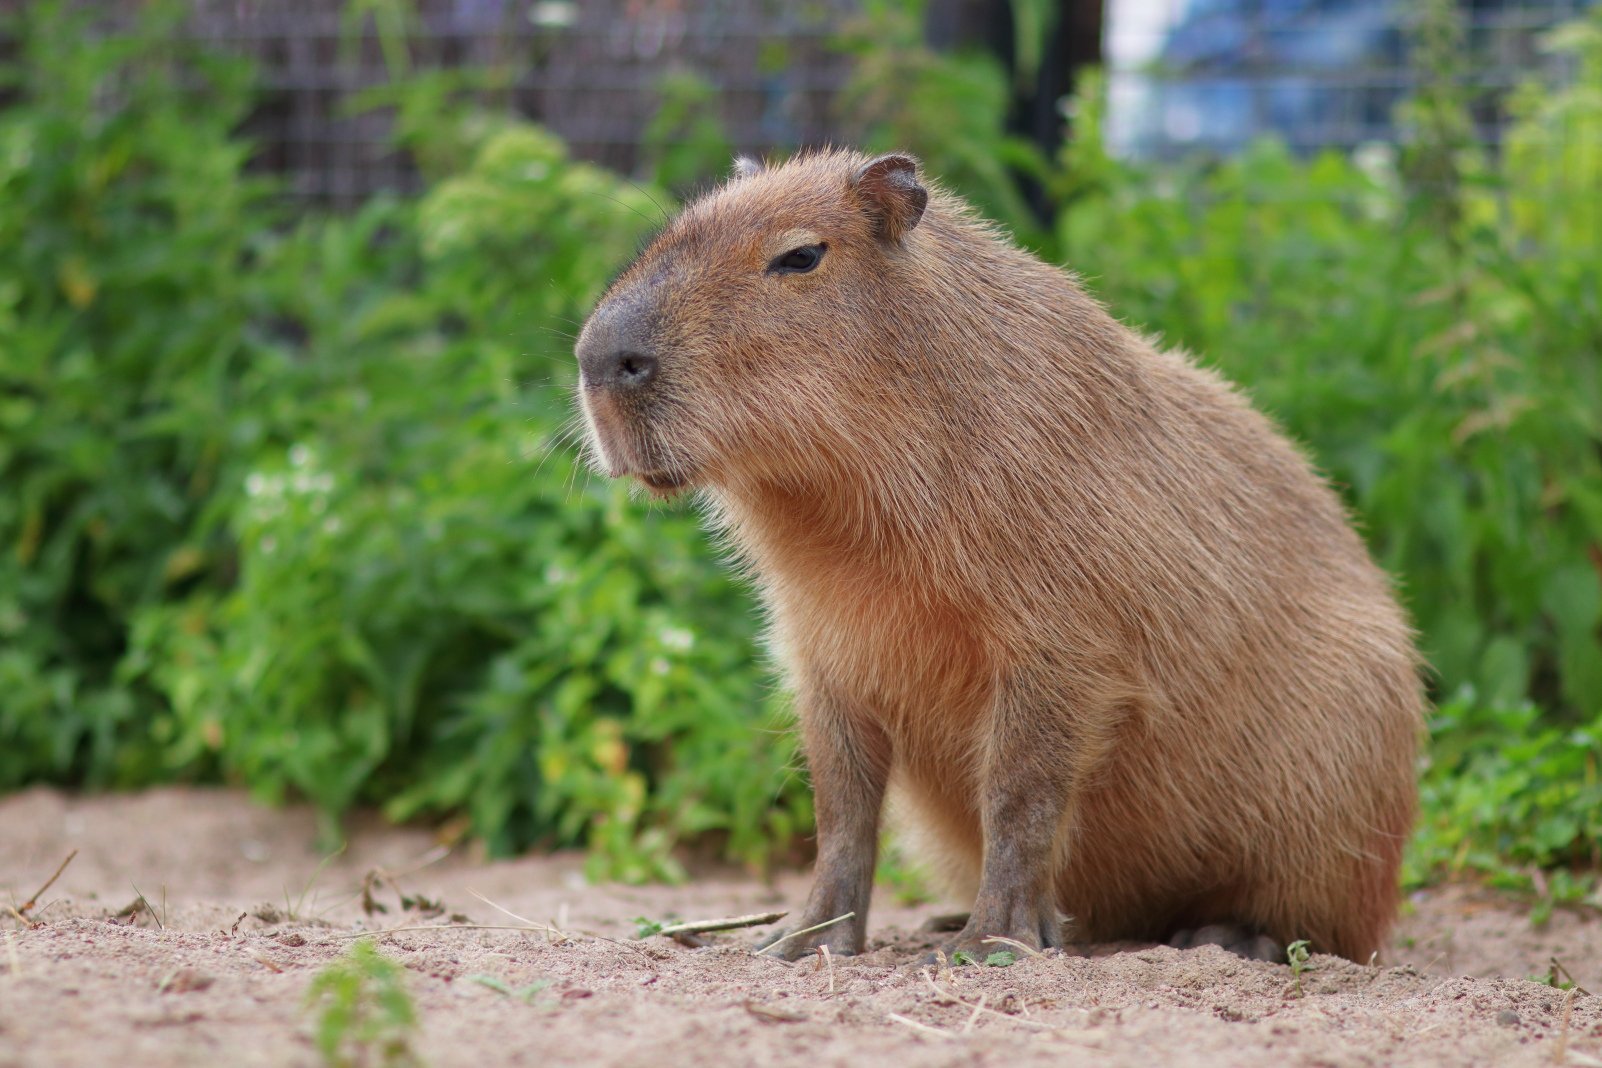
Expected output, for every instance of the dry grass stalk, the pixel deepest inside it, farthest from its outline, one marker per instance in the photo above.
(805, 930)
(770, 1014)
(1015, 944)
(947, 997)
(923, 1028)
(1559, 1054)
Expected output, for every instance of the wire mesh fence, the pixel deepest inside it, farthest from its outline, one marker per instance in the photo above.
(593, 72)
(1183, 75)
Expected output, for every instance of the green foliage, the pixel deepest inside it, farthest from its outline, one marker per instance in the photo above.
(645, 928)
(436, 610)
(1508, 794)
(1001, 959)
(123, 334)
(296, 503)
(364, 1015)
(303, 508)
(684, 143)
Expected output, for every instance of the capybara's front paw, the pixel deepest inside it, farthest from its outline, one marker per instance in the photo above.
(1032, 928)
(844, 939)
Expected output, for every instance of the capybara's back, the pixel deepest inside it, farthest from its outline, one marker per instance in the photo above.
(1110, 639)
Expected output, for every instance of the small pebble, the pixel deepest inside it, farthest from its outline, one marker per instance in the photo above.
(1507, 1018)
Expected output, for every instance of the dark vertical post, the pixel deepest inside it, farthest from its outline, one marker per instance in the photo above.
(1073, 43)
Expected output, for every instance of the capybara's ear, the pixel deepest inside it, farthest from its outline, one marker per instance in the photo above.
(889, 188)
(746, 167)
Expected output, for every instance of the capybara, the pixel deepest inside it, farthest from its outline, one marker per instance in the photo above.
(1092, 623)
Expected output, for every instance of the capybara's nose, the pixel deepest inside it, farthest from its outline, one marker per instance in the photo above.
(623, 370)
(615, 350)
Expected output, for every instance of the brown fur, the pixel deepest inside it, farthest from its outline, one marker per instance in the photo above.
(1112, 642)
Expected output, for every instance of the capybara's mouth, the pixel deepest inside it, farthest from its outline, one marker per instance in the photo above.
(664, 481)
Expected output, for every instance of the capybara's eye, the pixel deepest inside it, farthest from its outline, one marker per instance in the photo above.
(798, 260)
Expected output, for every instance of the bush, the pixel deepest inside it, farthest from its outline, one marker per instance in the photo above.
(125, 310)
(436, 608)
(302, 510)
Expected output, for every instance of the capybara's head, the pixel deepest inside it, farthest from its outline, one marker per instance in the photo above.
(755, 322)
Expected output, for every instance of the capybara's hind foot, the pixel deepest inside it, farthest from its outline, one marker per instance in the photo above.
(1238, 940)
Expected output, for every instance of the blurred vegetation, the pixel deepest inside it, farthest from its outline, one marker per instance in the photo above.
(294, 502)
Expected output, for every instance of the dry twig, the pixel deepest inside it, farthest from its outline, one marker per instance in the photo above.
(441, 927)
(1559, 969)
(37, 894)
(727, 923)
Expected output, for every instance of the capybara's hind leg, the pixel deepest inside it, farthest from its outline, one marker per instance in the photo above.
(1242, 941)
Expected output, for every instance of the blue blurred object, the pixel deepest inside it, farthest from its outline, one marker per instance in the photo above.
(1188, 76)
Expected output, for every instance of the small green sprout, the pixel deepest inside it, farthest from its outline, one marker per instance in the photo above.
(1297, 955)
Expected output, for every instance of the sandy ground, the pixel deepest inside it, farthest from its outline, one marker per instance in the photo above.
(84, 985)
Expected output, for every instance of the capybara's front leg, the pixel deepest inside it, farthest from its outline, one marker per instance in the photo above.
(1026, 782)
(848, 753)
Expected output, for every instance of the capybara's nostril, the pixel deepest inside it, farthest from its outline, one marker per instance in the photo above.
(630, 370)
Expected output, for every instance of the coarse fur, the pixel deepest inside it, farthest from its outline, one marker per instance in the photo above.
(1113, 645)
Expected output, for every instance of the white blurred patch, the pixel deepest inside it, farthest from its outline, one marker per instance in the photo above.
(597, 446)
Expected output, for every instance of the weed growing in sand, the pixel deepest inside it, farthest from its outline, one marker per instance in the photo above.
(1297, 955)
(366, 1015)
(525, 994)
(1000, 959)
(1558, 977)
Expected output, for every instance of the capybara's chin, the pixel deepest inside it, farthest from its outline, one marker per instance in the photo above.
(1092, 621)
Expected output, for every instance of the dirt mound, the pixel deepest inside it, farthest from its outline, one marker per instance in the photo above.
(208, 962)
